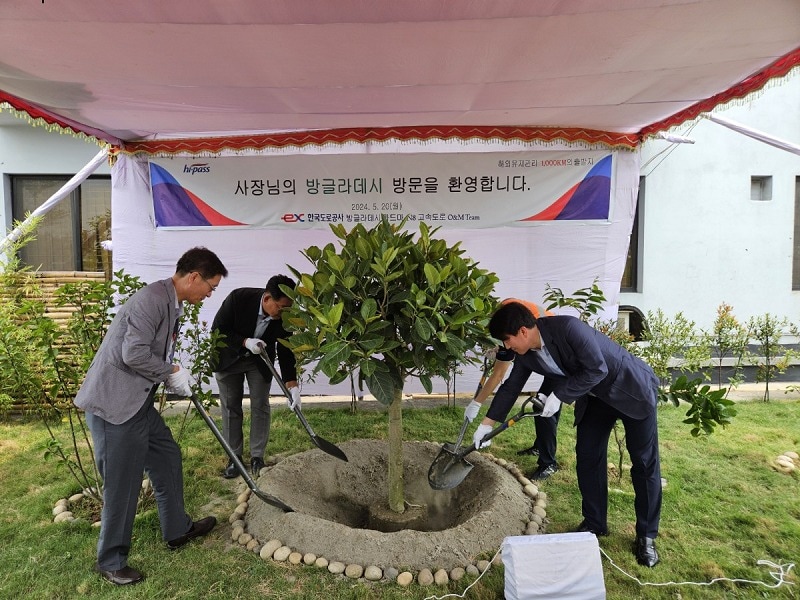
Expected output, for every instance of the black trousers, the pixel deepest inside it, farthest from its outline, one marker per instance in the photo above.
(641, 440)
(546, 438)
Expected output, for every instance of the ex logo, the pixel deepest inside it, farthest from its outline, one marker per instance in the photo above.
(293, 218)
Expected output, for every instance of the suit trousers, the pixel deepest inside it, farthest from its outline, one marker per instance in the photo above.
(231, 393)
(123, 453)
(546, 438)
(641, 440)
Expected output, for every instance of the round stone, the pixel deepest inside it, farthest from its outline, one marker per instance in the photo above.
(61, 508)
(63, 517)
(372, 573)
(457, 574)
(354, 571)
(425, 577)
(309, 558)
(295, 558)
(252, 545)
(404, 579)
(75, 498)
(336, 567)
(282, 553)
(321, 562)
(236, 532)
(482, 564)
(531, 490)
(244, 539)
(269, 548)
(391, 573)
(441, 577)
(473, 570)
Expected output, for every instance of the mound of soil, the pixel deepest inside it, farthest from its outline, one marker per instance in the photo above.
(337, 505)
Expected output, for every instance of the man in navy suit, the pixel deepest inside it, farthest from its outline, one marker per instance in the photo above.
(129, 435)
(250, 321)
(607, 383)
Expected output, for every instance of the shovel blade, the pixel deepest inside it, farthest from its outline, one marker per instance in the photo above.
(448, 469)
(329, 447)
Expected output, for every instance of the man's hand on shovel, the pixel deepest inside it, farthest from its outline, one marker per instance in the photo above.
(480, 433)
(293, 399)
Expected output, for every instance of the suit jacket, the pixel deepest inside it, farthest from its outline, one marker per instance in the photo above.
(236, 320)
(595, 369)
(132, 357)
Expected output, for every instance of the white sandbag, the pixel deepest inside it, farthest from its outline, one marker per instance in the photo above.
(560, 565)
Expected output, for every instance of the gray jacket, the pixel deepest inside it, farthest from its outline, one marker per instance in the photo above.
(132, 358)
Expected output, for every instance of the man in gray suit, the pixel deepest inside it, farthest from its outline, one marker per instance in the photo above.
(128, 433)
(607, 383)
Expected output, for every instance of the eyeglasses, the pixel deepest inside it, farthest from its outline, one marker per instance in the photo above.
(212, 288)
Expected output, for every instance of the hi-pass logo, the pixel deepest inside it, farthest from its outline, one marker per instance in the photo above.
(293, 218)
(197, 168)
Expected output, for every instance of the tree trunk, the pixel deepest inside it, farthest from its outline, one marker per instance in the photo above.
(396, 494)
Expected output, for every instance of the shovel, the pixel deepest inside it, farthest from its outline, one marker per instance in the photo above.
(450, 468)
(232, 455)
(453, 448)
(321, 443)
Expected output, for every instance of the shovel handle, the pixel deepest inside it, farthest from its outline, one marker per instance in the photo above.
(523, 412)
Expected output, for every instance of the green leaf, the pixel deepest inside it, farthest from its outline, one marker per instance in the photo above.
(368, 308)
(423, 328)
(432, 275)
(383, 386)
(335, 314)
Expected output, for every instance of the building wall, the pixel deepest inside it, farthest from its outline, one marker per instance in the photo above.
(705, 241)
(26, 150)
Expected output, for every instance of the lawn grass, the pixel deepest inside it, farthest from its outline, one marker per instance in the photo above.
(724, 509)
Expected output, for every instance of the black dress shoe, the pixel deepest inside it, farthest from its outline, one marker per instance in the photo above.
(256, 464)
(198, 529)
(543, 472)
(598, 531)
(646, 551)
(123, 576)
(532, 451)
(231, 472)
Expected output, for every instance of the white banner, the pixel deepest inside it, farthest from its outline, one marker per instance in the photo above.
(568, 254)
(466, 190)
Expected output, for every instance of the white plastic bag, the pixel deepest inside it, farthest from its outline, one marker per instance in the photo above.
(560, 565)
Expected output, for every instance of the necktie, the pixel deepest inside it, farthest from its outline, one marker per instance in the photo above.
(261, 326)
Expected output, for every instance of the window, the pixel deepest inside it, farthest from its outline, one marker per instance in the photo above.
(761, 188)
(69, 236)
(796, 253)
(631, 274)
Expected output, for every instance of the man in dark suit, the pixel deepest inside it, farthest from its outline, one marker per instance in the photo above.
(546, 427)
(250, 321)
(128, 433)
(581, 365)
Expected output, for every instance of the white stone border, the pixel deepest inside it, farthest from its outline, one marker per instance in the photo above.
(275, 549)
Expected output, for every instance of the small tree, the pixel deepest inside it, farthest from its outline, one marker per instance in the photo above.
(586, 302)
(728, 338)
(391, 307)
(767, 330)
(672, 344)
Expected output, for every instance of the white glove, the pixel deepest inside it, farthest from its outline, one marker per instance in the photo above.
(551, 404)
(481, 431)
(180, 382)
(471, 411)
(255, 345)
(293, 402)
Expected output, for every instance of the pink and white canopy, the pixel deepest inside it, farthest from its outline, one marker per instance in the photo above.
(250, 73)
